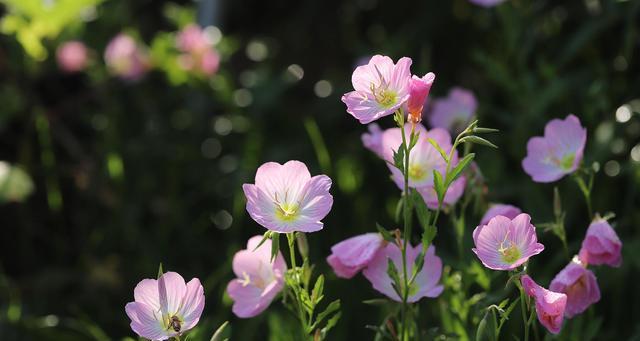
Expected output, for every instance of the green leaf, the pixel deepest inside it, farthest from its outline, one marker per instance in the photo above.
(331, 308)
(386, 235)
(479, 130)
(438, 148)
(377, 301)
(222, 333)
(266, 236)
(330, 324)
(392, 271)
(398, 212)
(481, 332)
(398, 158)
(275, 245)
(422, 211)
(160, 271)
(557, 203)
(459, 168)
(429, 235)
(318, 288)
(477, 140)
(438, 185)
(415, 137)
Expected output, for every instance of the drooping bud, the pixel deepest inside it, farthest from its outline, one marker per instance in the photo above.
(418, 91)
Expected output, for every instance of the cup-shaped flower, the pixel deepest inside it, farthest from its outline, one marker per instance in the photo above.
(125, 58)
(601, 245)
(550, 305)
(418, 91)
(425, 283)
(504, 210)
(558, 153)
(580, 286)
(505, 244)
(424, 157)
(285, 198)
(380, 88)
(373, 139)
(72, 56)
(351, 255)
(454, 112)
(258, 279)
(453, 194)
(165, 307)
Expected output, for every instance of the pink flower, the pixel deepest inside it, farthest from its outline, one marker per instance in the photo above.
(199, 54)
(192, 39)
(426, 282)
(454, 112)
(381, 87)
(453, 194)
(259, 280)
(72, 56)
(601, 245)
(166, 307)
(285, 198)
(418, 91)
(373, 139)
(351, 255)
(505, 244)
(487, 3)
(558, 153)
(508, 211)
(580, 286)
(125, 58)
(549, 305)
(423, 159)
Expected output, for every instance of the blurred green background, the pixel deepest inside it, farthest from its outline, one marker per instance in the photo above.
(106, 178)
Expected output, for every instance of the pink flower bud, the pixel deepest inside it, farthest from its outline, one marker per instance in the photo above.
(418, 92)
(72, 56)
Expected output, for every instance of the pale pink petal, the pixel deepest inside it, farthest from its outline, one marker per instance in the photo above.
(147, 292)
(601, 245)
(145, 321)
(171, 288)
(580, 285)
(359, 250)
(342, 270)
(508, 211)
(193, 304)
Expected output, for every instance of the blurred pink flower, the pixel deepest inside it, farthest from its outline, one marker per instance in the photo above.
(418, 91)
(453, 112)
(125, 58)
(285, 198)
(486, 3)
(166, 307)
(259, 280)
(72, 56)
(426, 282)
(550, 305)
(424, 158)
(453, 194)
(558, 153)
(601, 245)
(381, 87)
(373, 139)
(192, 39)
(580, 286)
(351, 255)
(198, 52)
(504, 210)
(505, 244)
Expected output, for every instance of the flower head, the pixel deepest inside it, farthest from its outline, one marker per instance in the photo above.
(373, 139)
(601, 245)
(198, 52)
(381, 87)
(424, 157)
(558, 153)
(508, 211)
(454, 112)
(426, 281)
(550, 305)
(125, 58)
(418, 91)
(351, 255)
(505, 244)
(285, 198)
(580, 286)
(72, 56)
(165, 307)
(258, 279)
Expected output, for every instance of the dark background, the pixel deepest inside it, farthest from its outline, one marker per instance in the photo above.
(67, 270)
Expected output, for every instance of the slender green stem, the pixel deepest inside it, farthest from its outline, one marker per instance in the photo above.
(296, 287)
(586, 191)
(406, 235)
(523, 305)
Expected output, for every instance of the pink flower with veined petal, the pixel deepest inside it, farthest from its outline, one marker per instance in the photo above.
(373, 139)
(285, 198)
(259, 280)
(601, 245)
(453, 112)
(351, 255)
(550, 305)
(508, 211)
(425, 283)
(418, 91)
(125, 58)
(453, 194)
(72, 56)
(558, 153)
(166, 307)
(505, 244)
(424, 157)
(381, 87)
(580, 286)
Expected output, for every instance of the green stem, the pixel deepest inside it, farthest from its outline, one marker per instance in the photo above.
(523, 305)
(586, 192)
(296, 288)
(406, 234)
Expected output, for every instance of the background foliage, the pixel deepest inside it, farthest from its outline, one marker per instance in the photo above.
(126, 175)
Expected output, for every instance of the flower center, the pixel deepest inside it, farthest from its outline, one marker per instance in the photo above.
(174, 323)
(567, 161)
(416, 172)
(510, 254)
(286, 211)
(385, 97)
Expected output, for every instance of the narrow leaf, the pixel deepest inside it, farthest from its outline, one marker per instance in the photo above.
(222, 333)
(422, 211)
(398, 158)
(275, 245)
(160, 271)
(385, 233)
(266, 236)
(439, 149)
(479, 130)
(438, 185)
(477, 140)
(318, 288)
(459, 168)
